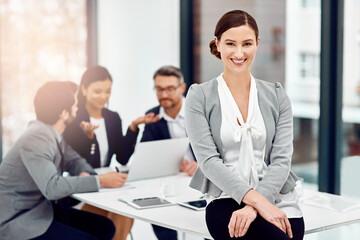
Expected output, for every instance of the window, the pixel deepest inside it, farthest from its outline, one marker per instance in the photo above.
(309, 66)
(310, 4)
(40, 40)
(351, 98)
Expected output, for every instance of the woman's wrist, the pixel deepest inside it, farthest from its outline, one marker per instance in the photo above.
(134, 127)
(254, 199)
(251, 207)
(90, 135)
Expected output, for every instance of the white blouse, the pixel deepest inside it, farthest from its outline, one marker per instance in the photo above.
(244, 144)
(101, 138)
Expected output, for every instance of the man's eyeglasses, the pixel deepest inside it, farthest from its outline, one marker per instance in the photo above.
(169, 90)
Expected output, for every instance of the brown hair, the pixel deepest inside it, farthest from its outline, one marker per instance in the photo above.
(234, 18)
(52, 98)
(169, 71)
(92, 74)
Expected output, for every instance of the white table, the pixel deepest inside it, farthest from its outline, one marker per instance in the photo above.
(320, 218)
(174, 217)
(193, 222)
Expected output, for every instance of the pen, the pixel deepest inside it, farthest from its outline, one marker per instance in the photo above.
(117, 169)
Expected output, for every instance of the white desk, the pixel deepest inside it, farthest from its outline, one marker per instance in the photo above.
(193, 222)
(174, 217)
(320, 219)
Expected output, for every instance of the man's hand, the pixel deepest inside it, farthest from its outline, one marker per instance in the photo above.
(148, 118)
(112, 179)
(82, 174)
(240, 221)
(188, 167)
(88, 129)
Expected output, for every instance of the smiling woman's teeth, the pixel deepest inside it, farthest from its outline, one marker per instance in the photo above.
(241, 61)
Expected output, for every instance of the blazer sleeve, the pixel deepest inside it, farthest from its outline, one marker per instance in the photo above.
(38, 158)
(281, 150)
(205, 149)
(125, 145)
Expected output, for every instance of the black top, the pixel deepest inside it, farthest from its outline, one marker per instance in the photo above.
(122, 146)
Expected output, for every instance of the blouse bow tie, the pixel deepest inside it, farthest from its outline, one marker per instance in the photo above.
(246, 128)
(245, 133)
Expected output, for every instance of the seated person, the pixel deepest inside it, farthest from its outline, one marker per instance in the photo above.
(169, 87)
(31, 176)
(96, 134)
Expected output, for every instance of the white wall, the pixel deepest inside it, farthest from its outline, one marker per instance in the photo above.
(135, 38)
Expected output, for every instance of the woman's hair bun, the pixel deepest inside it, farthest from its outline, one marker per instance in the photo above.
(213, 49)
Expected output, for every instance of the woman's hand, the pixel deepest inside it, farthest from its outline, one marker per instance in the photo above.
(112, 179)
(88, 129)
(275, 216)
(240, 221)
(268, 211)
(148, 118)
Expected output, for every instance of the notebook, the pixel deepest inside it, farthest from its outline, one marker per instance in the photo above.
(157, 158)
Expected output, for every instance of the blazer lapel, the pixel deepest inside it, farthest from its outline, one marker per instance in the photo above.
(267, 115)
(214, 115)
(163, 129)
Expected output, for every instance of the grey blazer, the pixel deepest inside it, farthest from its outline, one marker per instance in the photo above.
(203, 123)
(31, 176)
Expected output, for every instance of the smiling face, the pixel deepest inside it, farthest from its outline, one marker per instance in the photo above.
(97, 94)
(237, 47)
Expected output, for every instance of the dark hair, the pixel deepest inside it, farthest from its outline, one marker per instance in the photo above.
(234, 18)
(169, 71)
(92, 74)
(52, 98)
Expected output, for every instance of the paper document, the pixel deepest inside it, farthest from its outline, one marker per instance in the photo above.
(125, 187)
(333, 202)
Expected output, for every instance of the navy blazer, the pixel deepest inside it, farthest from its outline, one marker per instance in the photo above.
(122, 146)
(155, 131)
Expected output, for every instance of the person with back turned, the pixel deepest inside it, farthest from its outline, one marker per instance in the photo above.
(31, 178)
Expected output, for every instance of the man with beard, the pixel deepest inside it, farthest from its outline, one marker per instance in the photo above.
(169, 88)
(31, 176)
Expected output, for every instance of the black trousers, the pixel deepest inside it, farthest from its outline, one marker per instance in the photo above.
(218, 214)
(74, 224)
(164, 233)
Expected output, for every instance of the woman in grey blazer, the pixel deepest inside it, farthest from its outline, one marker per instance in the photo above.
(241, 131)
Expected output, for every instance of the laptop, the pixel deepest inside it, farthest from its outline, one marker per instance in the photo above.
(157, 158)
